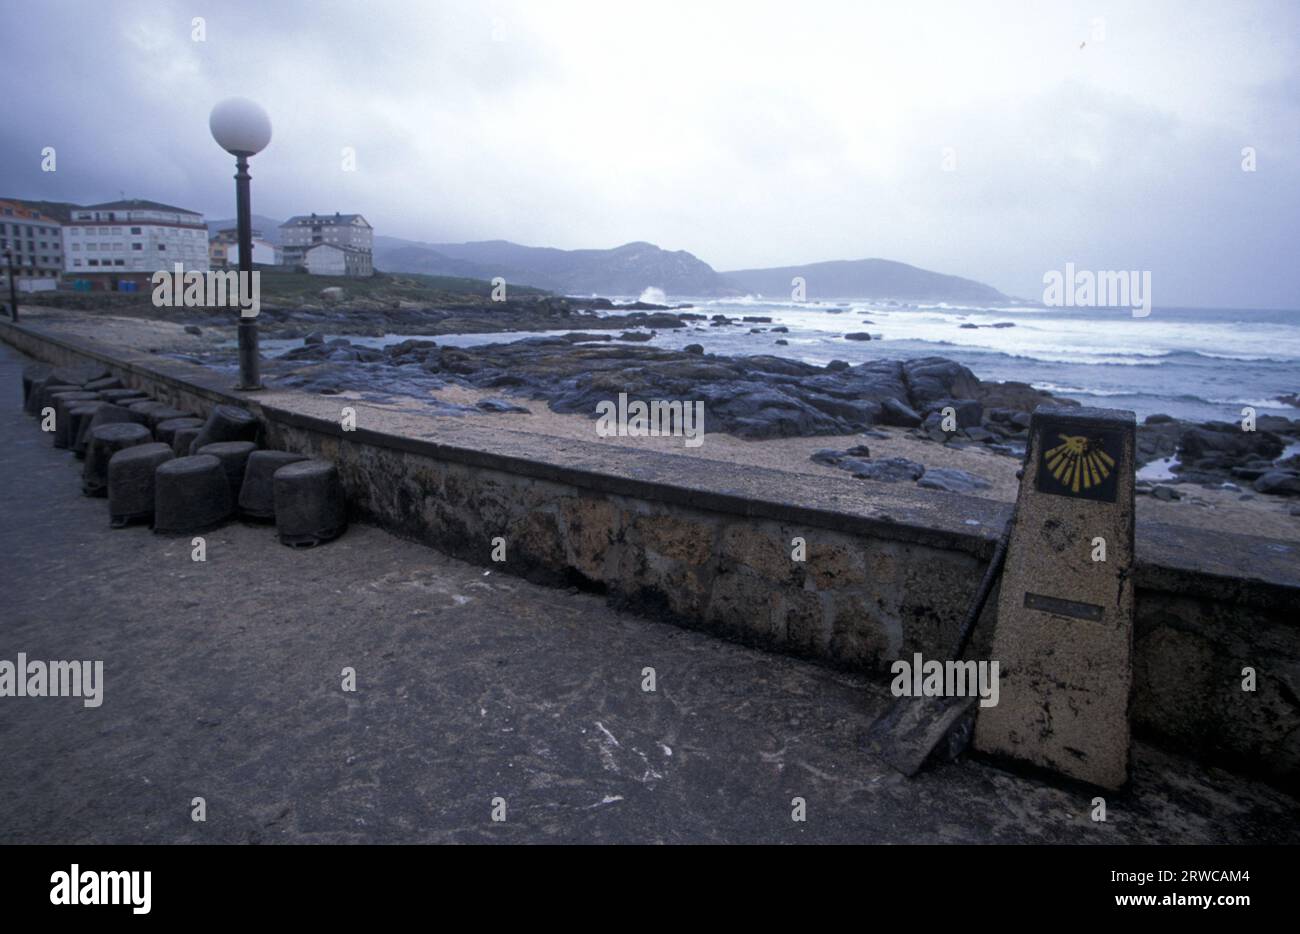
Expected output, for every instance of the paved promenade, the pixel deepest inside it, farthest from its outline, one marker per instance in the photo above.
(222, 680)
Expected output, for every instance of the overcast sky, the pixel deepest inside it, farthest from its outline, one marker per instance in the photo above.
(749, 134)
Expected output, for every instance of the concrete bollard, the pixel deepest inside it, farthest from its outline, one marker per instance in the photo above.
(234, 457)
(123, 397)
(191, 494)
(33, 373)
(62, 401)
(80, 415)
(156, 416)
(107, 414)
(227, 423)
(310, 508)
(105, 441)
(165, 431)
(257, 495)
(183, 439)
(131, 482)
(43, 389)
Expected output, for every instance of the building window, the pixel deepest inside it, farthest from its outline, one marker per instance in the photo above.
(135, 230)
(137, 246)
(162, 246)
(92, 262)
(119, 262)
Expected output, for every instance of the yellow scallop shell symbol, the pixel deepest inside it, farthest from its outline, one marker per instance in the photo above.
(1079, 463)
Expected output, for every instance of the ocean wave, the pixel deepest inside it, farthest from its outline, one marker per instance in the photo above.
(1059, 390)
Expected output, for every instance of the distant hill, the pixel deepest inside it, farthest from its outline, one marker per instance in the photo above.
(633, 267)
(623, 270)
(863, 278)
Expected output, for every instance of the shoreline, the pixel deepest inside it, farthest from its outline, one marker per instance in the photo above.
(1194, 503)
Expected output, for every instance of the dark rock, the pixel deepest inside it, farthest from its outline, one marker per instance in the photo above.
(193, 329)
(858, 336)
(837, 366)
(782, 343)
(1226, 438)
(952, 480)
(500, 405)
(780, 329)
(1166, 493)
(693, 349)
(900, 414)
(891, 470)
(1157, 419)
(635, 336)
(1279, 483)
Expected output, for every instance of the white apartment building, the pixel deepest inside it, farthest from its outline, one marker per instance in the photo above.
(36, 243)
(348, 232)
(129, 240)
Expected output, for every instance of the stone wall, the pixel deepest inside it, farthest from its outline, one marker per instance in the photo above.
(868, 592)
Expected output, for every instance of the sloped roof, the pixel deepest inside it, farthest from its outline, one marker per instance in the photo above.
(299, 220)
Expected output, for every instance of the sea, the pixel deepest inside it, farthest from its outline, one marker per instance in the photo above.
(1192, 363)
(1196, 364)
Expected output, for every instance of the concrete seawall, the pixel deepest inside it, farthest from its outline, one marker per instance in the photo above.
(884, 576)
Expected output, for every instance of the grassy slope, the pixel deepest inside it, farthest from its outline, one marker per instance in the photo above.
(288, 289)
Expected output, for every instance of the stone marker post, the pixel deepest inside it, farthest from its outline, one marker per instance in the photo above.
(1064, 634)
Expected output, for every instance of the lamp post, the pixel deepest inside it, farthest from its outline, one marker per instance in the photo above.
(243, 129)
(13, 288)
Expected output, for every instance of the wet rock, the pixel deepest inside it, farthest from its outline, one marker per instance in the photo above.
(1157, 419)
(1166, 493)
(636, 336)
(952, 480)
(697, 349)
(890, 470)
(782, 343)
(193, 329)
(500, 405)
(858, 336)
(900, 414)
(1278, 483)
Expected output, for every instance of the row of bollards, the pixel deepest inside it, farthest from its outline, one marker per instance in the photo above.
(160, 465)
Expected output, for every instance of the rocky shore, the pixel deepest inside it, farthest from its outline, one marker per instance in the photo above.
(768, 397)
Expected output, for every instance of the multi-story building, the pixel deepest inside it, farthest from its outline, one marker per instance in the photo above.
(348, 232)
(34, 236)
(223, 249)
(326, 259)
(120, 244)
